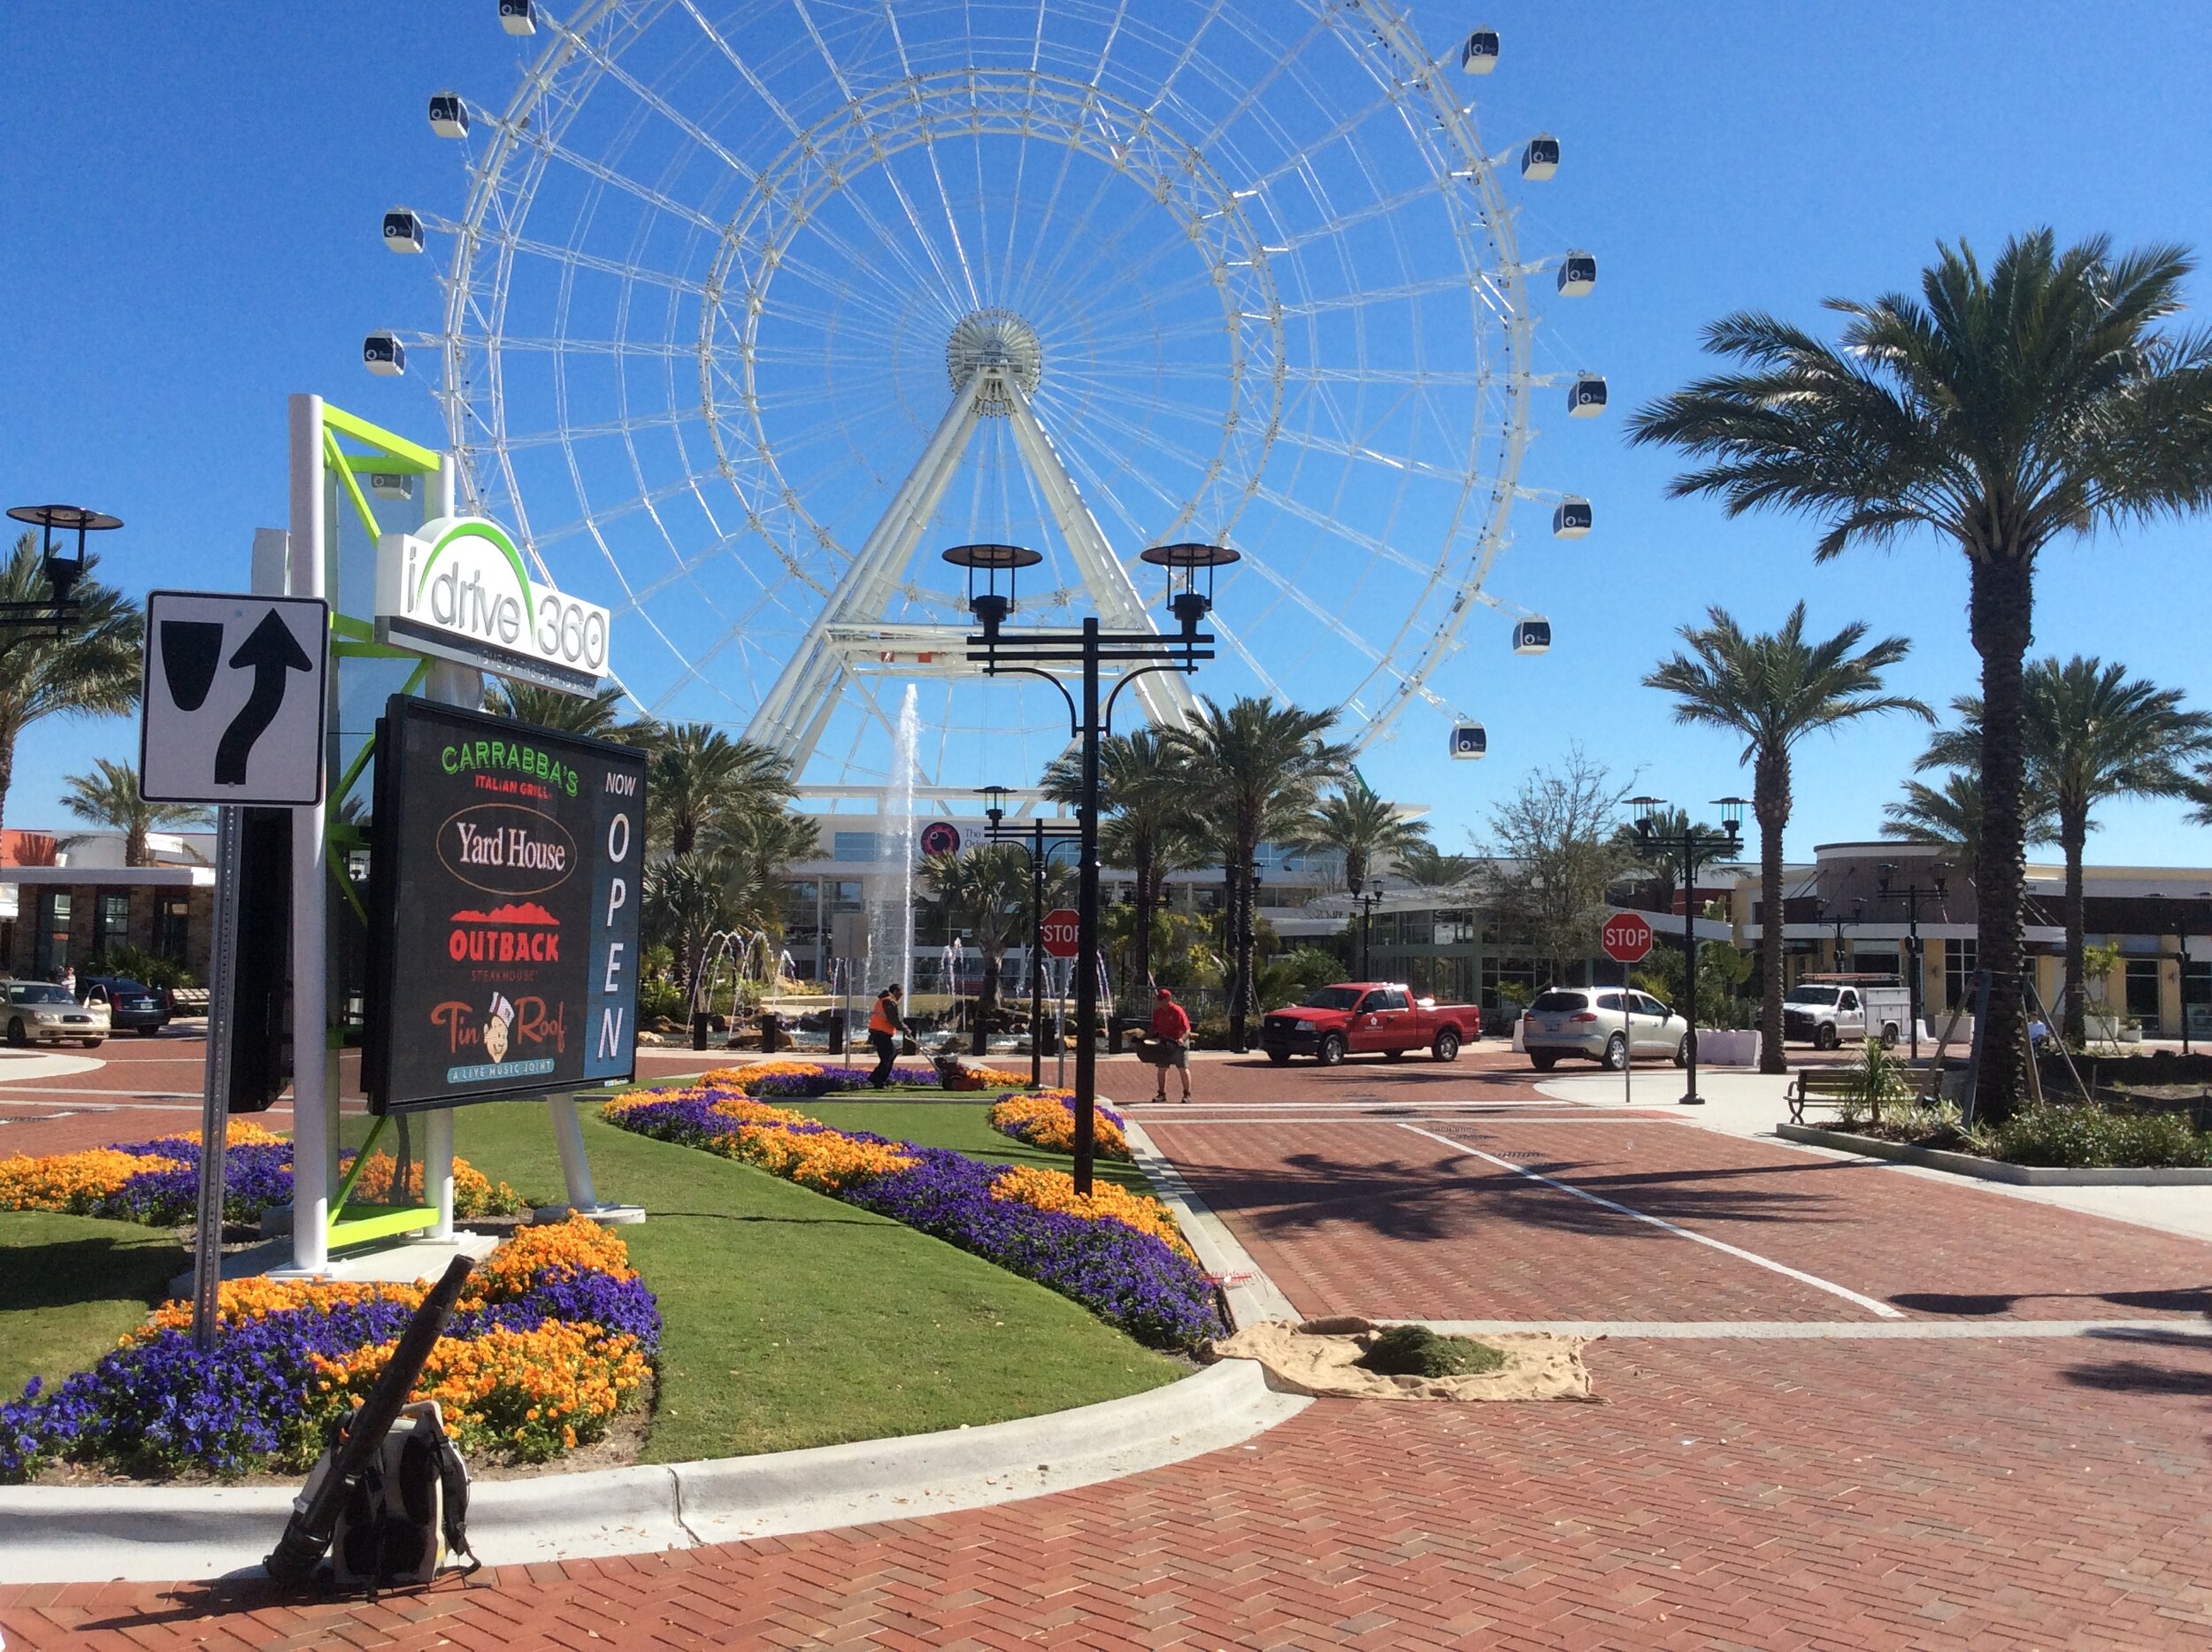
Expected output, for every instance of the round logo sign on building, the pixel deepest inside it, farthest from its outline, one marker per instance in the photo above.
(941, 837)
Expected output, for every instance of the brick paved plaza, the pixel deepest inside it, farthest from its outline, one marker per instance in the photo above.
(1895, 1442)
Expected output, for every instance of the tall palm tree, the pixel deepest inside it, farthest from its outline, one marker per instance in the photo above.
(1428, 866)
(595, 716)
(753, 848)
(1355, 821)
(1144, 796)
(2004, 410)
(984, 891)
(1952, 814)
(109, 797)
(2092, 735)
(1774, 689)
(686, 898)
(92, 668)
(698, 773)
(1255, 769)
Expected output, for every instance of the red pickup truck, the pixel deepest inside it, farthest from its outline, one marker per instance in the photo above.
(1358, 1018)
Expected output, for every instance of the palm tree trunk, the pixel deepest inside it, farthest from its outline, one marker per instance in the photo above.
(985, 1002)
(7, 768)
(2073, 831)
(1770, 803)
(2002, 606)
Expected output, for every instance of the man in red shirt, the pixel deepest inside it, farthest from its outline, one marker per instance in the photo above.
(1170, 1033)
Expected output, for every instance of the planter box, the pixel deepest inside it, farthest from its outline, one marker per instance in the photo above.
(1989, 1169)
(1519, 1048)
(1726, 1049)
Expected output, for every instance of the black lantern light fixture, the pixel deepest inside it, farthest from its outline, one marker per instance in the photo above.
(991, 572)
(62, 571)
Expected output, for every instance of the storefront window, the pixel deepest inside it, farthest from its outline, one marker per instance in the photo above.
(51, 954)
(172, 927)
(110, 922)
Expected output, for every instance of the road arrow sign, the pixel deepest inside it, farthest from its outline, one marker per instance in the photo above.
(232, 702)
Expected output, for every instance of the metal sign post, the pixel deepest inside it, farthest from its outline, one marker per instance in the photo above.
(207, 1250)
(1628, 940)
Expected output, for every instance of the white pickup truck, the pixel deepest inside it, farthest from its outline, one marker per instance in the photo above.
(1828, 1011)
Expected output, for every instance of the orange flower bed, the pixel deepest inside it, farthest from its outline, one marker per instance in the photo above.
(575, 1246)
(71, 1183)
(1054, 1190)
(1046, 1118)
(533, 1393)
(824, 1160)
(241, 1301)
(473, 1194)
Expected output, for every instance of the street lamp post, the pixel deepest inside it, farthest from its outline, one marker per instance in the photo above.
(62, 570)
(1030, 652)
(1912, 895)
(1369, 898)
(1043, 840)
(1694, 845)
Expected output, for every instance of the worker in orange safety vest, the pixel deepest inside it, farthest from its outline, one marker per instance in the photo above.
(885, 1025)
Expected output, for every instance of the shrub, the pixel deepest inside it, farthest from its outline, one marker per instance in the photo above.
(2088, 1137)
(1414, 1350)
(1046, 1119)
(1876, 1079)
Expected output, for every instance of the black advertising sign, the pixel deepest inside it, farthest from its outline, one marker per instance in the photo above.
(507, 862)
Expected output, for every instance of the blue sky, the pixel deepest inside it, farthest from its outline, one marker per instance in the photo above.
(194, 196)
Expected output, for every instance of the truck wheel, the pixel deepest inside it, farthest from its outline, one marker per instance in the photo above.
(1543, 1060)
(1330, 1051)
(1824, 1036)
(1280, 1057)
(1616, 1053)
(1889, 1035)
(1447, 1046)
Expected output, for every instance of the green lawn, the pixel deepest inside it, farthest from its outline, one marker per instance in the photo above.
(70, 1285)
(795, 1320)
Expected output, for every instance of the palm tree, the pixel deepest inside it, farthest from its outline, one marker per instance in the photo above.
(1659, 870)
(1355, 822)
(1147, 826)
(686, 899)
(698, 773)
(1255, 770)
(109, 797)
(2091, 734)
(1952, 814)
(1425, 864)
(2004, 410)
(753, 848)
(596, 716)
(1774, 689)
(984, 891)
(92, 668)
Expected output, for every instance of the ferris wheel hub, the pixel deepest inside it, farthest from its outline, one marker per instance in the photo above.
(998, 339)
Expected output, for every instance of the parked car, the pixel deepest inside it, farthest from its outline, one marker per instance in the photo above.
(1825, 1013)
(132, 1006)
(1358, 1018)
(1592, 1023)
(40, 1012)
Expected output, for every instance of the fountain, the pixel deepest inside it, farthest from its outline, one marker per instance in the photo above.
(891, 914)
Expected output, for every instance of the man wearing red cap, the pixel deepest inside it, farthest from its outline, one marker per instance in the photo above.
(1170, 1034)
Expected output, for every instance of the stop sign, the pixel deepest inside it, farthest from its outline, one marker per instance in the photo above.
(1060, 932)
(1627, 938)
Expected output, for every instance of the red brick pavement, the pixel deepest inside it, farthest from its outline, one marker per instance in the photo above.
(1756, 1495)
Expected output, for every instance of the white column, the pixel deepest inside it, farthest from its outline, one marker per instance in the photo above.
(314, 1065)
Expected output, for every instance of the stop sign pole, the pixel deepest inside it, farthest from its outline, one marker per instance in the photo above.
(1627, 938)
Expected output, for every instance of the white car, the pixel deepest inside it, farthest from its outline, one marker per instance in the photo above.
(1587, 1022)
(40, 1012)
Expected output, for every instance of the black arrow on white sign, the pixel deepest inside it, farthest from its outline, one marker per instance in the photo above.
(272, 651)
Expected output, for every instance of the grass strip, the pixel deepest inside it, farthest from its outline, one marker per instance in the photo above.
(70, 1286)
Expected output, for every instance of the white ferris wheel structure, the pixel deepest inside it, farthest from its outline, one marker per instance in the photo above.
(755, 305)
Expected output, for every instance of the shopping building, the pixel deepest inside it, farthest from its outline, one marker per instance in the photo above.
(62, 907)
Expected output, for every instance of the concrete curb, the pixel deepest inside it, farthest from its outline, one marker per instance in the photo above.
(1991, 1169)
(153, 1534)
(1251, 1295)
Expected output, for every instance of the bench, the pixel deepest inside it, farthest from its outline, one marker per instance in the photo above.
(1821, 1087)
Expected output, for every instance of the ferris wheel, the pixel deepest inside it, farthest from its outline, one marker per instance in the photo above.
(756, 306)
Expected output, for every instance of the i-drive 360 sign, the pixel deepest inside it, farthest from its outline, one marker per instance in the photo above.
(507, 862)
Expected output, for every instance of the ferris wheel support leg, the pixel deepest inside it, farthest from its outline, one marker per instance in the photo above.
(1168, 701)
(797, 706)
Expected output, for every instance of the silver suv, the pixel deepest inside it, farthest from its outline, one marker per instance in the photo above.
(1593, 1023)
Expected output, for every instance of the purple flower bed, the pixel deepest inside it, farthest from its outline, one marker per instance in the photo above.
(808, 1086)
(1128, 1278)
(256, 1175)
(157, 1405)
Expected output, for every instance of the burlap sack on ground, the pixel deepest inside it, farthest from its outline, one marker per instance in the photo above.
(1317, 1357)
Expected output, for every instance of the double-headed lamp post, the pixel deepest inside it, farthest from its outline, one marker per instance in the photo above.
(991, 574)
(1042, 842)
(1694, 845)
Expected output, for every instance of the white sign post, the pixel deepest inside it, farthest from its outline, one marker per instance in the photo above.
(231, 714)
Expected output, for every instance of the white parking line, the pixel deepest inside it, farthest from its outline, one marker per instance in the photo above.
(1883, 1310)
